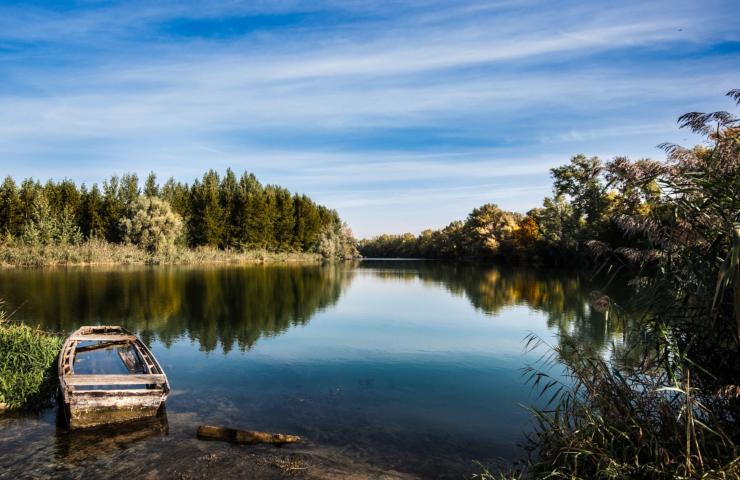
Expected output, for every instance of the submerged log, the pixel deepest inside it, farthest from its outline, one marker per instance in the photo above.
(244, 437)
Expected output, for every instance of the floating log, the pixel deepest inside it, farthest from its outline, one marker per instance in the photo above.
(244, 437)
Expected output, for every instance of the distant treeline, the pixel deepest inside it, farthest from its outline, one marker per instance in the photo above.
(223, 212)
(591, 202)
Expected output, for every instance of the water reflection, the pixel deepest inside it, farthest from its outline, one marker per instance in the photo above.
(213, 306)
(230, 307)
(384, 361)
(564, 296)
(77, 447)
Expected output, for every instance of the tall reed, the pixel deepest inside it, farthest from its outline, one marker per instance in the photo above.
(27, 357)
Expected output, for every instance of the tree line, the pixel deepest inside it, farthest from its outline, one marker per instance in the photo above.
(666, 403)
(222, 212)
(590, 197)
(597, 207)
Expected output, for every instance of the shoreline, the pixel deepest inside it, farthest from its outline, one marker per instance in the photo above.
(101, 253)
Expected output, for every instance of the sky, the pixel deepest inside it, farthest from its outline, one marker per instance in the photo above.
(399, 115)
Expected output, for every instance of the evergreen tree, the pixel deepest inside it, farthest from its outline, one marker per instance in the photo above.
(269, 218)
(90, 215)
(11, 221)
(151, 189)
(27, 194)
(252, 212)
(285, 221)
(228, 197)
(112, 209)
(206, 222)
(177, 195)
(311, 223)
(222, 213)
(128, 192)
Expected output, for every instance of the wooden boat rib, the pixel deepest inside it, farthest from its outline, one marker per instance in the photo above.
(96, 399)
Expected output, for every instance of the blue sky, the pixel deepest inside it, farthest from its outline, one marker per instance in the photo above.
(401, 115)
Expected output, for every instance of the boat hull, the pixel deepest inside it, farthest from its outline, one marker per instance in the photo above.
(91, 400)
(93, 408)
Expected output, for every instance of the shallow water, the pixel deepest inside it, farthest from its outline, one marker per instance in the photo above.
(404, 365)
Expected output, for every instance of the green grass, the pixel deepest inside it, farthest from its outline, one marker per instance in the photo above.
(27, 359)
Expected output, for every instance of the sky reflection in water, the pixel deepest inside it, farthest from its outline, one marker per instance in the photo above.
(414, 366)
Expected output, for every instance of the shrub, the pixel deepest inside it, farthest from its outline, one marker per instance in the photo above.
(152, 225)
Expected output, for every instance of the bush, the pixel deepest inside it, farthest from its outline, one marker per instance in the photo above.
(336, 242)
(152, 225)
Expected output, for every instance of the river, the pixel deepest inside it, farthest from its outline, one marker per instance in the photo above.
(411, 367)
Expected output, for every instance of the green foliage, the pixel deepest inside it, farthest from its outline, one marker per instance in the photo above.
(336, 242)
(92, 224)
(487, 233)
(605, 421)
(151, 225)
(225, 213)
(667, 403)
(11, 219)
(488, 228)
(45, 227)
(27, 356)
(581, 181)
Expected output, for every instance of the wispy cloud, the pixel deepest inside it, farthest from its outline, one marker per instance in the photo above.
(369, 106)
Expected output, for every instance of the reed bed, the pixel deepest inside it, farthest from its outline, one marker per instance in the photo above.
(27, 357)
(612, 419)
(100, 252)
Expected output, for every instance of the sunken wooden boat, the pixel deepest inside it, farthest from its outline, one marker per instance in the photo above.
(107, 375)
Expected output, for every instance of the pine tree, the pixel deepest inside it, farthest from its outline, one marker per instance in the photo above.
(228, 198)
(269, 218)
(285, 222)
(206, 225)
(27, 194)
(129, 191)
(11, 222)
(250, 211)
(177, 195)
(311, 223)
(90, 216)
(151, 189)
(112, 209)
(223, 213)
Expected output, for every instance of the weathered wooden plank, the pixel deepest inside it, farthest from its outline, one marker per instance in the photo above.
(114, 379)
(131, 392)
(102, 337)
(95, 415)
(246, 437)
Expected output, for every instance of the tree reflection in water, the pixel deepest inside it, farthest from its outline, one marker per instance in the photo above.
(230, 307)
(226, 306)
(564, 296)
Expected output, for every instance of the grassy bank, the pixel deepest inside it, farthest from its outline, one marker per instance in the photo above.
(27, 356)
(100, 252)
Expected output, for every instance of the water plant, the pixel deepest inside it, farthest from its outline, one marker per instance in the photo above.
(27, 357)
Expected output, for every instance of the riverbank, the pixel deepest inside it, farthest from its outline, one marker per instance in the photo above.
(100, 252)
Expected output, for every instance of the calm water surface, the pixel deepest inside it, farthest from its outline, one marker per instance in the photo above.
(405, 365)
